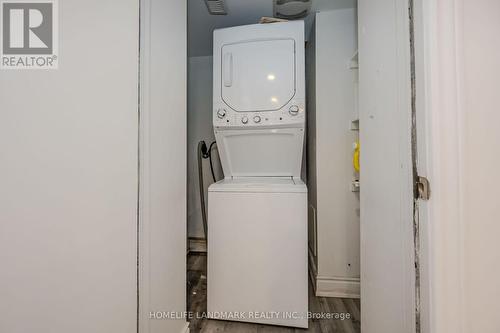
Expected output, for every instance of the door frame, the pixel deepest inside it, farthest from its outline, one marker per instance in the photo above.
(440, 118)
(161, 252)
(387, 196)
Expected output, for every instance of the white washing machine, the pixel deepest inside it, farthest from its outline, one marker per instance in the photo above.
(257, 215)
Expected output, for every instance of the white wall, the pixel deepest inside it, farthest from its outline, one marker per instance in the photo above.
(481, 61)
(199, 128)
(462, 67)
(330, 151)
(68, 174)
(163, 164)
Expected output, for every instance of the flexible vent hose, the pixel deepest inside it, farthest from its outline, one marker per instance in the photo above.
(203, 152)
(201, 148)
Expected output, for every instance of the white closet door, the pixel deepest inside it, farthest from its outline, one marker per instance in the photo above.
(387, 251)
(68, 178)
(258, 75)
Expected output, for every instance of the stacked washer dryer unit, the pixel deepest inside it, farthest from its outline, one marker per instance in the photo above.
(257, 215)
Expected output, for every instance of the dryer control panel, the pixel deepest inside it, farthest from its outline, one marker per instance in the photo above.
(292, 113)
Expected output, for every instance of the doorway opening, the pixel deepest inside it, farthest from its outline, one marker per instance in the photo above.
(353, 121)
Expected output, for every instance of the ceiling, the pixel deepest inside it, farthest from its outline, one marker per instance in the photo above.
(201, 24)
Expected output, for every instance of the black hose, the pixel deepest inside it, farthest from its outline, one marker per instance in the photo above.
(202, 147)
(203, 152)
(210, 159)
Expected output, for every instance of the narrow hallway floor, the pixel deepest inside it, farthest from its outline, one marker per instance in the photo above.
(197, 303)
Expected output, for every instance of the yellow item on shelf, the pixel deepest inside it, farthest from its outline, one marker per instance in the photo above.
(355, 157)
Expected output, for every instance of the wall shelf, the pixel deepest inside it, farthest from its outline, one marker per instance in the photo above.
(355, 186)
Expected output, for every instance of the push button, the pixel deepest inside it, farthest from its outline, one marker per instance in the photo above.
(244, 120)
(257, 119)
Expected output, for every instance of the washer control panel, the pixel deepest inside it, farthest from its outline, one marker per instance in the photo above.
(292, 113)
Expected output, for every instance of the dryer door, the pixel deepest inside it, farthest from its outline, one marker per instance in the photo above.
(258, 75)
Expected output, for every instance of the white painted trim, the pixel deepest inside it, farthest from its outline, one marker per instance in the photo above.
(144, 169)
(387, 245)
(442, 244)
(327, 286)
(149, 284)
(406, 159)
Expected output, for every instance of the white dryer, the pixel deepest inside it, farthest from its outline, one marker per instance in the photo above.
(257, 215)
(259, 99)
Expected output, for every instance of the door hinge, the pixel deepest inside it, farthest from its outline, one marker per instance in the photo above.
(423, 188)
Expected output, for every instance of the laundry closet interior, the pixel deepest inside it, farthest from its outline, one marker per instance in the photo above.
(277, 111)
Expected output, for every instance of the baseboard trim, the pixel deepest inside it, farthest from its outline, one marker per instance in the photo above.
(327, 286)
(197, 245)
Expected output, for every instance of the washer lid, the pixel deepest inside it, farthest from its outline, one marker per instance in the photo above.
(271, 152)
(259, 184)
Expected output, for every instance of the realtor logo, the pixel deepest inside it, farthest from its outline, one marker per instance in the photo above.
(29, 34)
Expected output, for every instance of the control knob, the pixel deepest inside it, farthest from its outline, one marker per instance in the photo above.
(221, 113)
(256, 119)
(244, 120)
(293, 110)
